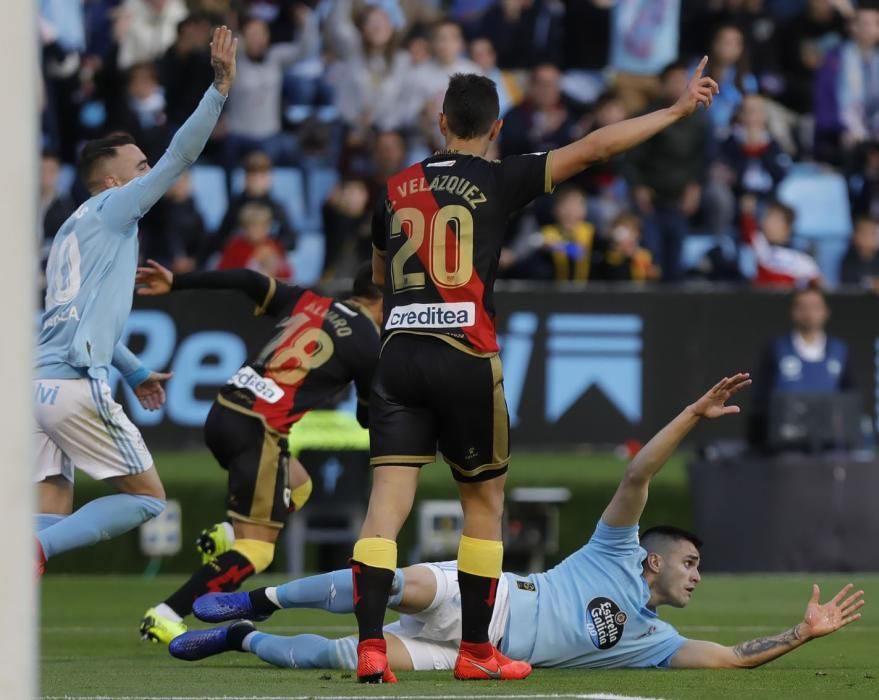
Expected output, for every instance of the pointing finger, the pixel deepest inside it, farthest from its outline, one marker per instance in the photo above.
(700, 67)
(816, 594)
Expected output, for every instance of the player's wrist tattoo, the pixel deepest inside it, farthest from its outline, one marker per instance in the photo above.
(789, 639)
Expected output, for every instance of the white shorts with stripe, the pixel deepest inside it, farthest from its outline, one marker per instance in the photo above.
(432, 636)
(80, 425)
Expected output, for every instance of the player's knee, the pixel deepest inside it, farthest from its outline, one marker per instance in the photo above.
(484, 498)
(257, 552)
(300, 494)
(151, 505)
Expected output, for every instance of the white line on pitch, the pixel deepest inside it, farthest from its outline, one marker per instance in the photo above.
(539, 696)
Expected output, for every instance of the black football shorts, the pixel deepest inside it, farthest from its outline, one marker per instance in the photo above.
(428, 394)
(256, 457)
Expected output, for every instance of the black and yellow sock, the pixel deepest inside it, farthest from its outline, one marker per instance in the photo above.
(224, 574)
(372, 568)
(479, 568)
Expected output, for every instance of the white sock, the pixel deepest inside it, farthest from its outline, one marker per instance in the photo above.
(272, 595)
(245, 643)
(167, 611)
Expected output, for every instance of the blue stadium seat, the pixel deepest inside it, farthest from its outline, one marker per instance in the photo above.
(66, 178)
(820, 200)
(209, 192)
(308, 258)
(288, 188)
(320, 182)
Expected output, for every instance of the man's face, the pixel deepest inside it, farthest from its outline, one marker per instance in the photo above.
(775, 227)
(447, 43)
(483, 55)
(256, 38)
(753, 112)
(865, 28)
(571, 210)
(129, 163)
(678, 574)
(389, 153)
(809, 312)
(866, 239)
(545, 90)
(258, 182)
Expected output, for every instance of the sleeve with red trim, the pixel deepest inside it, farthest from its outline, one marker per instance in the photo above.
(524, 178)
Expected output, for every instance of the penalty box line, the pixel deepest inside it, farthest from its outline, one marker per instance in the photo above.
(489, 696)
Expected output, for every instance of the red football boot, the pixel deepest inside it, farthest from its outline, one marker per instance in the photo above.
(497, 667)
(372, 662)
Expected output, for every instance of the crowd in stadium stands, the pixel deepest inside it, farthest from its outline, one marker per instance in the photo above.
(777, 184)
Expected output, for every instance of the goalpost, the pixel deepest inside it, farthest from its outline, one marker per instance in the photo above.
(18, 204)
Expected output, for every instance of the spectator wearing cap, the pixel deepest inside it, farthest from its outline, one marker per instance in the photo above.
(258, 190)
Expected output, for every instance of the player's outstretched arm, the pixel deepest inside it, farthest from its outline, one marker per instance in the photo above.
(819, 621)
(610, 140)
(129, 203)
(155, 279)
(628, 502)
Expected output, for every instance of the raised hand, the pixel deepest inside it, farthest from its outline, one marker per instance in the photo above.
(840, 611)
(223, 51)
(154, 279)
(700, 91)
(151, 393)
(713, 403)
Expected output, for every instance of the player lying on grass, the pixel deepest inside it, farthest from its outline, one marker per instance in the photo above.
(597, 609)
(318, 347)
(90, 278)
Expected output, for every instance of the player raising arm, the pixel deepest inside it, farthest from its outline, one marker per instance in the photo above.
(90, 276)
(596, 609)
(439, 385)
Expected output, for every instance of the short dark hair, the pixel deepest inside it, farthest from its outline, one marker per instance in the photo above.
(810, 288)
(668, 533)
(471, 105)
(97, 151)
(363, 286)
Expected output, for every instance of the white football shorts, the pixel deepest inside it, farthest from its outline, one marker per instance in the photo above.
(432, 636)
(80, 425)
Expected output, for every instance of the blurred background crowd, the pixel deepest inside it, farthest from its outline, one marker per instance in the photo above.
(776, 185)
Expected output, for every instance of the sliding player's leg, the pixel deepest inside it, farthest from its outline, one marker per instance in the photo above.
(81, 426)
(258, 500)
(412, 591)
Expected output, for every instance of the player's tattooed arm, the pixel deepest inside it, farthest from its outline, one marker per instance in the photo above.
(819, 621)
(224, 48)
(758, 651)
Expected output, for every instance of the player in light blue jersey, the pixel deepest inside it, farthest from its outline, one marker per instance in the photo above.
(597, 609)
(90, 275)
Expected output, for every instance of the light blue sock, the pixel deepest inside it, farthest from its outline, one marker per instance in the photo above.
(303, 650)
(98, 520)
(44, 520)
(333, 591)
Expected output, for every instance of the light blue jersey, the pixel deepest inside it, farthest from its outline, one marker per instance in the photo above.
(93, 262)
(590, 610)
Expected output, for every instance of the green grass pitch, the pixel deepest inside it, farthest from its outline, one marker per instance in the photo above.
(90, 649)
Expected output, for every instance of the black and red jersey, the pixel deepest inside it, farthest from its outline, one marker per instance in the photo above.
(320, 345)
(440, 228)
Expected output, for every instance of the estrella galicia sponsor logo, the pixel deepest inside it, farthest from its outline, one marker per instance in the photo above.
(605, 622)
(526, 586)
(459, 314)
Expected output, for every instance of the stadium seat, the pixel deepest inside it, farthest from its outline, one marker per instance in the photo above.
(209, 192)
(288, 188)
(319, 183)
(820, 200)
(66, 178)
(308, 258)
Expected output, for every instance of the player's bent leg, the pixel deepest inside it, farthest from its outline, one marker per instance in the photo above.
(54, 501)
(251, 554)
(143, 498)
(374, 562)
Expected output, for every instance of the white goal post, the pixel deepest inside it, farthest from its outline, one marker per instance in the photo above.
(18, 273)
